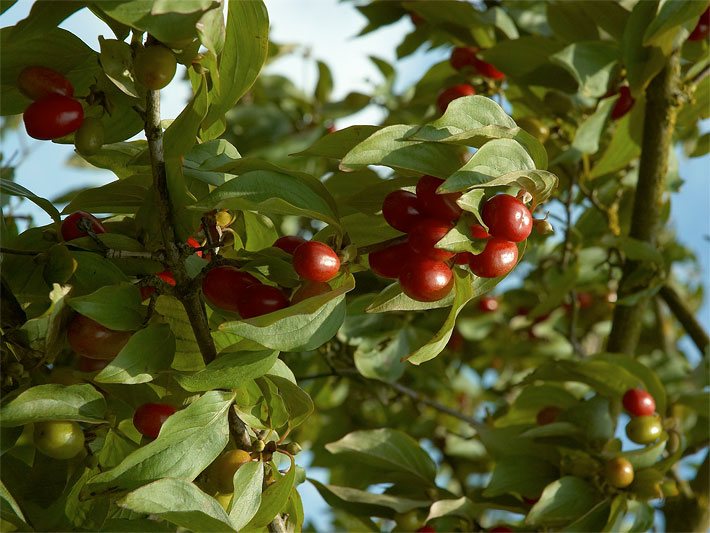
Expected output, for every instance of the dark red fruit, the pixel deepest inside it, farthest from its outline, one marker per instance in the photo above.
(146, 292)
(150, 417)
(462, 258)
(547, 415)
(426, 280)
(289, 243)
(702, 29)
(624, 104)
(497, 259)
(86, 364)
(531, 501)
(500, 529)
(39, 82)
(76, 224)
(195, 244)
(442, 206)
(462, 57)
(479, 232)
(455, 342)
(488, 304)
(389, 261)
(257, 300)
(401, 210)
(316, 261)
(309, 289)
(507, 218)
(222, 286)
(426, 529)
(638, 402)
(52, 117)
(424, 236)
(90, 339)
(167, 277)
(487, 70)
(452, 93)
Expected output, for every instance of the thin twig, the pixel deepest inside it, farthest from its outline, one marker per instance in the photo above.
(685, 317)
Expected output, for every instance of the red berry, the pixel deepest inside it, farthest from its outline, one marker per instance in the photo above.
(150, 417)
(487, 70)
(426, 529)
(452, 93)
(167, 277)
(38, 82)
(547, 415)
(309, 289)
(500, 529)
(507, 218)
(424, 236)
(488, 304)
(441, 206)
(479, 232)
(257, 300)
(462, 57)
(389, 261)
(702, 29)
(585, 300)
(289, 243)
(222, 286)
(455, 342)
(497, 259)
(638, 402)
(316, 261)
(146, 292)
(624, 104)
(90, 339)
(86, 364)
(193, 242)
(463, 258)
(52, 117)
(76, 224)
(426, 280)
(401, 210)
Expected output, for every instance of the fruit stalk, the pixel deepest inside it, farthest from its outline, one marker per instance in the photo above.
(661, 110)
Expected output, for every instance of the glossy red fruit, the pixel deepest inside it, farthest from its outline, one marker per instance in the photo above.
(487, 70)
(426, 529)
(389, 261)
(452, 93)
(547, 415)
(442, 206)
(257, 300)
(401, 210)
(507, 218)
(76, 224)
(223, 286)
(52, 117)
(463, 258)
(462, 57)
(86, 364)
(424, 236)
(167, 277)
(150, 417)
(497, 259)
(90, 339)
(289, 243)
(638, 402)
(426, 280)
(702, 29)
(309, 289)
(479, 232)
(316, 261)
(39, 82)
(488, 304)
(195, 244)
(624, 104)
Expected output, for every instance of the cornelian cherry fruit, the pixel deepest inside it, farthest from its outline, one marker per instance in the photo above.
(316, 261)
(401, 210)
(507, 218)
(547, 415)
(424, 236)
(39, 82)
(638, 402)
(702, 29)
(488, 304)
(86, 364)
(223, 286)
(389, 261)
(77, 224)
(487, 70)
(462, 57)
(624, 104)
(442, 206)
(52, 117)
(426, 280)
(150, 417)
(90, 339)
(257, 300)
(497, 259)
(289, 243)
(452, 93)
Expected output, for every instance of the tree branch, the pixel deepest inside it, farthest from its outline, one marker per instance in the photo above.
(685, 317)
(661, 108)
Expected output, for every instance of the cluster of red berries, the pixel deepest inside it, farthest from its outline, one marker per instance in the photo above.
(465, 59)
(424, 271)
(54, 113)
(234, 290)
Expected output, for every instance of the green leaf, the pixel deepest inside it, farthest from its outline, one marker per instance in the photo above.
(248, 480)
(10, 511)
(94, 272)
(380, 357)
(388, 450)
(647, 456)
(245, 50)
(116, 59)
(569, 21)
(229, 370)
(521, 56)
(181, 135)
(562, 502)
(14, 189)
(586, 138)
(339, 143)
(670, 17)
(188, 357)
(590, 63)
(123, 196)
(609, 379)
(304, 326)
(82, 403)
(393, 299)
(642, 62)
(179, 502)
(625, 144)
(188, 442)
(298, 403)
(462, 508)
(325, 82)
(520, 475)
(148, 351)
(273, 499)
(390, 147)
(117, 307)
(361, 502)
